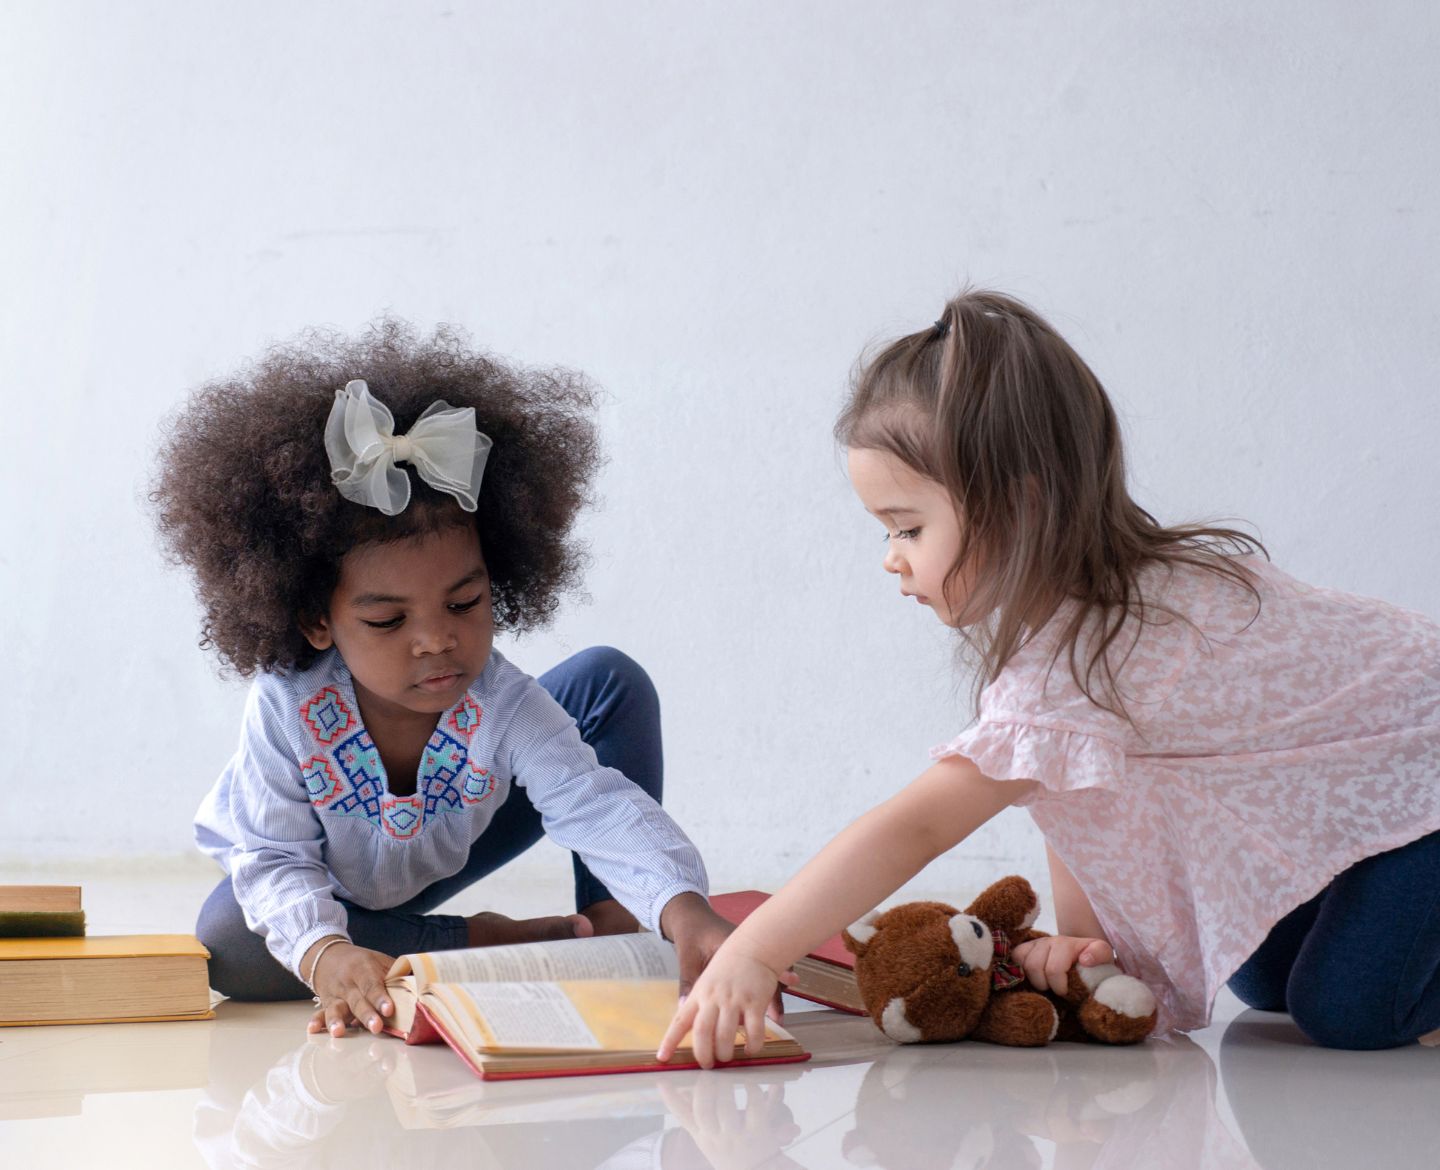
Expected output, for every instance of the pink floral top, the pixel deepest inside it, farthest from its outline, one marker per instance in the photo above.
(1268, 753)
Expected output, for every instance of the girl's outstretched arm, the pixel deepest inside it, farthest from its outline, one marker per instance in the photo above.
(861, 867)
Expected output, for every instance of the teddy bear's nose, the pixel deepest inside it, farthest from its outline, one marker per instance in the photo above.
(979, 931)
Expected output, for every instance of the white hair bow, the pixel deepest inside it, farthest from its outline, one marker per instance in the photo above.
(443, 446)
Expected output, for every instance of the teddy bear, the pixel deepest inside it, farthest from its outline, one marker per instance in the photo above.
(928, 972)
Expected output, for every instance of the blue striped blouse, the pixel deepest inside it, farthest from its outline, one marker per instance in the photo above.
(302, 813)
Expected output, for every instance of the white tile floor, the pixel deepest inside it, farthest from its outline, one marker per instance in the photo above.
(251, 1089)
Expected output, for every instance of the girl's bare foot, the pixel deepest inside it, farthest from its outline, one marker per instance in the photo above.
(609, 917)
(488, 929)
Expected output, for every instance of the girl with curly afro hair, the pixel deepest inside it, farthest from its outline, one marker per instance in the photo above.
(360, 516)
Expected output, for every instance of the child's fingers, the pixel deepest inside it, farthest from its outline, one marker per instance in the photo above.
(337, 1017)
(682, 1022)
(1097, 953)
(1057, 967)
(703, 1036)
(776, 1010)
(365, 1012)
(727, 1022)
(369, 1000)
(754, 1031)
(1033, 962)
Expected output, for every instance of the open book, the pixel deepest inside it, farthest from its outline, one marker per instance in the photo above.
(568, 1008)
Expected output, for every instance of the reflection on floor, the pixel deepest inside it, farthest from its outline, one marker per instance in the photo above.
(251, 1089)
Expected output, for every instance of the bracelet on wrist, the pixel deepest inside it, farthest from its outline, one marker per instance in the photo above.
(320, 954)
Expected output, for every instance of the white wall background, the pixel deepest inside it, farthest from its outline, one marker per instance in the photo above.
(1229, 208)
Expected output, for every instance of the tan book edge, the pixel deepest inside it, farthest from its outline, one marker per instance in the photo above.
(103, 979)
(39, 898)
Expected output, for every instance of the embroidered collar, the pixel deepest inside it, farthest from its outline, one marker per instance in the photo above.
(344, 774)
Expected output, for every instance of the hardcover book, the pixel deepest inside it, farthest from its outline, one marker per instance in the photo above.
(574, 1007)
(41, 912)
(103, 979)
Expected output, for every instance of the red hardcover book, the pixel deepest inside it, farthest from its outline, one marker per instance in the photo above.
(825, 976)
(531, 1066)
(576, 1007)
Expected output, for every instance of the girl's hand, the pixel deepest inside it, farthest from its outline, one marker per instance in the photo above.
(1047, 961)
(350, 984)
(733, 992)
(698, 932)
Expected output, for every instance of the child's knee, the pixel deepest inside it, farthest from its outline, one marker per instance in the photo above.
(240, 966)
(1255, 989)
(220, 918)
(619, 670)
(1349, 1019)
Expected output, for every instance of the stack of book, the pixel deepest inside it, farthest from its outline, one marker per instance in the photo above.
(52, 973)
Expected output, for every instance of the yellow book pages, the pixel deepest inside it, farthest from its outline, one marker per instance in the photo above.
(635, 1015)
(590, 1015)
(625, 1016)
(119, 946)
(572, 1016)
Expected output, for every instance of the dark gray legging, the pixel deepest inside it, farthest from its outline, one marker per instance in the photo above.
(615, 706)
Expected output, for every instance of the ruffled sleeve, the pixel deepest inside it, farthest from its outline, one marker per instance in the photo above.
(1060, 760)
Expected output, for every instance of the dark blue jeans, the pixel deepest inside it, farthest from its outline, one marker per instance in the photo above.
(1358, 966)
(617, 711)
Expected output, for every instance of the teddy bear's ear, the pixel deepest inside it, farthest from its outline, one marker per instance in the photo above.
(1009, 904)
(857, 937)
